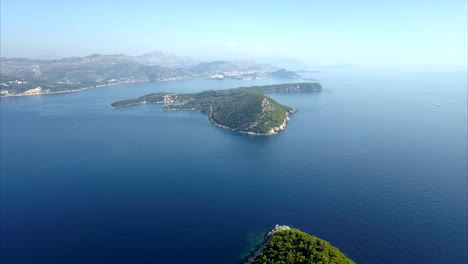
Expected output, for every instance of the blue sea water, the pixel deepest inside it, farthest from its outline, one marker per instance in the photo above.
(371, 164)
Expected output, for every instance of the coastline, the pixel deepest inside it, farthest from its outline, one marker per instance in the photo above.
(267, 239)
(273, 130)
(46, 92)
(270, 119)
(68, 91)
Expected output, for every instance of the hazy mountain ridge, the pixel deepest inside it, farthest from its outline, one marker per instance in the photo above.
(230, 66)
(157, 58)
(89, 69)
(288, 63)
(98, 67)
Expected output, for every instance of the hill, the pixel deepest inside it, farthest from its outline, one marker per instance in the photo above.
(285, 245)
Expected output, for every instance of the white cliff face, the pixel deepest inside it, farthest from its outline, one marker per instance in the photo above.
(277, 229)
(279, 128)
(36, 90)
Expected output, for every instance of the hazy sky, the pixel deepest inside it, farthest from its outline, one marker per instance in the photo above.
(381, 34)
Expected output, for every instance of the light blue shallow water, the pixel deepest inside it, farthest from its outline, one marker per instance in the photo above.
(371, 164)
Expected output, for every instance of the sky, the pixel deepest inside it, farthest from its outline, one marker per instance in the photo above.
(416, 34)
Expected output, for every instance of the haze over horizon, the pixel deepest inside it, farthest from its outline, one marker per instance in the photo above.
(399, 34)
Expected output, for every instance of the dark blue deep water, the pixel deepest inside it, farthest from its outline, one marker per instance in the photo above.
(371, 164)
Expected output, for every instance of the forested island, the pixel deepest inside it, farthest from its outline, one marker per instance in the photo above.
(286, 245)
(247, 109)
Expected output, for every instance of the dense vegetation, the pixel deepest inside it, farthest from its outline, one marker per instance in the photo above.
(296, 247)
(245, 109)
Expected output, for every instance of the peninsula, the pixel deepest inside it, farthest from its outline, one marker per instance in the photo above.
(288, 245)
(246, 110)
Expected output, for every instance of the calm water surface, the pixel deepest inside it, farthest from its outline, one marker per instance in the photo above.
(371, 164)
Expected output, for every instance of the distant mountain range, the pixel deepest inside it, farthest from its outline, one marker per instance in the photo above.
(90, 69)
(157, 58)
(19, 75)
(229, 66)
(291, 64)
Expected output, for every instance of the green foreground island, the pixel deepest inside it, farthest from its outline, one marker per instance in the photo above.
(285, 245)
(246, 110)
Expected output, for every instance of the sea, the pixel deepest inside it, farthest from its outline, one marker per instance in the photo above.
(376, 164)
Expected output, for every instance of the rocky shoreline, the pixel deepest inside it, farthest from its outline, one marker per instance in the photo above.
(273, 131)
(46, 92)
(267, 238)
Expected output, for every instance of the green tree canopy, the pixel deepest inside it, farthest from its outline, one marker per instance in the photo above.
(296, 247)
